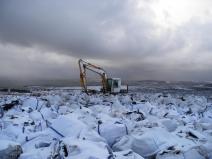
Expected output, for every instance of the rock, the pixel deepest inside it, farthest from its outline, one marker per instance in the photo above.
(68, 126)
(35, 116)
(136, 115)
(170, 125)
(206, 126)
(63, 110)
(8, 106)
(124, 143)
(195, 134)
(112, 131)
(9, 149)
(30, 103)
(145, 147)
(42, 144)
(127, 154)
(152, 141)
(170, 155)
(83, 149)
(145, 108)
(92, 135)
(194, 154)
(48, 113)
(147, 144)
(206, 149)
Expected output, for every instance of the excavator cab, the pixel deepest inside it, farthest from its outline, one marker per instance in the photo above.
(114, 85)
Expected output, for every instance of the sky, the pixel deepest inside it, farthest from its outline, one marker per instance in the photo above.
(131, 39)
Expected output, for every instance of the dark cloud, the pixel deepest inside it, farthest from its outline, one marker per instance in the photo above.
(81, 28)
(44, 39)
(23, 64)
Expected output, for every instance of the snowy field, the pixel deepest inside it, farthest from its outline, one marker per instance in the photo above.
(58, 123)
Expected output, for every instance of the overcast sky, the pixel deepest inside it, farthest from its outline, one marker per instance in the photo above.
(132, 39)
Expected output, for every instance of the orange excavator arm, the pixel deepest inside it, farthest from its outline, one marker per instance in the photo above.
(83, 66)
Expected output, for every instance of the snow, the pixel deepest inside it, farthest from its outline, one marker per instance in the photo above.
(85, 149)
(170, 125)
(112, 131)
(68, 126)
(71, 124)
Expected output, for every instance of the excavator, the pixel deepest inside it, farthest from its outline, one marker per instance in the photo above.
(109, 85)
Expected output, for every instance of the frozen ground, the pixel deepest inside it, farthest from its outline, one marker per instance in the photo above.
(64, 123)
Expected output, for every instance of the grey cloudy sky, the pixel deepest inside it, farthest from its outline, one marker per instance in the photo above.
(133, 39)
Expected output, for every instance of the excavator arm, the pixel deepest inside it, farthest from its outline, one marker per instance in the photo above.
(83, 66)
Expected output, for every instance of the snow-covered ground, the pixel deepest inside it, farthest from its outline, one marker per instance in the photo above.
(65, 123)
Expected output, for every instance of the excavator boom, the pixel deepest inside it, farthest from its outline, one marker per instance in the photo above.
(83, 66)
